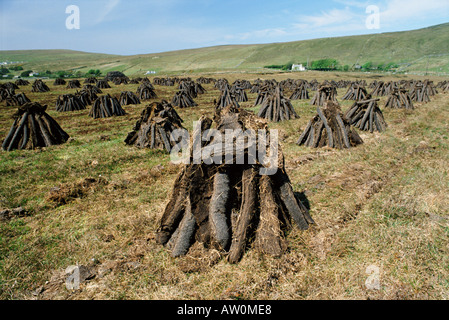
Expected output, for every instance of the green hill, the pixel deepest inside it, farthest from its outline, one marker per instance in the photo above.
(415, 51)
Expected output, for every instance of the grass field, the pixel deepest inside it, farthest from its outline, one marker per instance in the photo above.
(416, 51)
(95, 200)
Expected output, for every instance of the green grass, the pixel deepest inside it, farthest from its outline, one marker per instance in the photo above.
(418, 51)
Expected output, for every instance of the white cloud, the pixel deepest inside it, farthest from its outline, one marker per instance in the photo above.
(401, 10)
(326, 18)
(107, 10)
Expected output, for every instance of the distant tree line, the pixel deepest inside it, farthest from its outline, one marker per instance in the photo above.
(330, 64)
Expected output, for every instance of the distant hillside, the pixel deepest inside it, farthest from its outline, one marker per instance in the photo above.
(415, 51)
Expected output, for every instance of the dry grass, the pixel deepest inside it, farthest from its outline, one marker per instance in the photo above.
(96, 201)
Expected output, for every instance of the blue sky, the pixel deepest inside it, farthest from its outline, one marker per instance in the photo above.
(149, 26)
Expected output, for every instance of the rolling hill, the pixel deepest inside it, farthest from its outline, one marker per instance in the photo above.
(415, 51)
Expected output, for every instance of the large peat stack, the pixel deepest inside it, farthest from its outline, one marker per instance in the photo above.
(18, 99)
(153, 129)
(324, 93)
(21, 82)
(145, 91)
(69, 102)
(33, 128)
(231, 207)
(39, 86)
(127, 98)
(106, 106)
(183, 99)
(356, 92)
(59, 82)
(399, 99)
(275, 107)
(300, 92)
(239, 93)
(329, 128)
(226, 98)
(102, 84)
(366, 116)
(73, 84)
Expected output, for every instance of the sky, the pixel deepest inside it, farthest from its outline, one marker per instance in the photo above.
(149, 26)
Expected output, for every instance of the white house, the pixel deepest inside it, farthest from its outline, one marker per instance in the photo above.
(298, 67)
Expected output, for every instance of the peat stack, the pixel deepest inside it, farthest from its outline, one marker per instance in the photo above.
(102, 84)
(155, 126)
(147, 82)
(69, 102)
(86, 97)
(382, 89)
(10, 86)
(39, 86)
(204, 80)
(127, 97)
(300, 92)
(231, 207)
(356, 92)
(255, 88)
(239, 93)
(146, 91)
(183, 99)
(120, 80)
(21, 82)
(420, 93)
(244, 84)
(114, 74)
(90, 80)
(199, 89)
(446, 87)
(221, 84)
(33, 128)
(329, 128)
(73, 84)
(92, 89)
(88, 94)
(324, 93)
(265, 90)
(226, 98)
(188, 86)
(169, 82)
(277, 108)
(6, 93)
(106, 106)
(18, 99)
(399, 99)
(59, 82)
(366, 116)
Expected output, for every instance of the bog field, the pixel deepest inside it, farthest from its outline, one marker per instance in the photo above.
(381, 208)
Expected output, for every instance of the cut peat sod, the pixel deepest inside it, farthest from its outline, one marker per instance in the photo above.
(230, 207)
